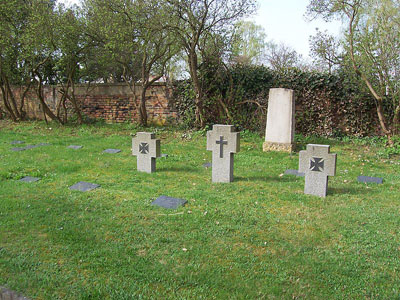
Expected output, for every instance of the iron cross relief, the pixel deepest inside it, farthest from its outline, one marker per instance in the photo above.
(316, 164)
(221, 144)
(144, 148)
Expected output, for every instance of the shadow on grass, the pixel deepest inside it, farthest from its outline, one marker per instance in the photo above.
(178, 169)
(264, 178)
(349, 191)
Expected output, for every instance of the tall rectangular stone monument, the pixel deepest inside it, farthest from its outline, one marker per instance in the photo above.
(317, 164)
(279, 134)
(223, 142)
(147, 149)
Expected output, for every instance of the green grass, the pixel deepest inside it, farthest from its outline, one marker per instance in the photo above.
(258, 237)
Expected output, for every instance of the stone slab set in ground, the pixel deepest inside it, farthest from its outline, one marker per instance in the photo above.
(112, 151)
(169, 202)
(317, 164)
(6, 294)
(29, 179)
(279, 135)
(367, 179)
(30, 147)
(223, 142)
(83, 186)
(17, 142)
(146, 148)
(75, 147)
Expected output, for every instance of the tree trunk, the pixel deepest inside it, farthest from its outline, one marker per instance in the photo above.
(197, 87)
(46, 109)
(142, 106)
(7, 104)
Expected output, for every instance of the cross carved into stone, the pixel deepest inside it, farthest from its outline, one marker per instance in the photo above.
(317, 164)
(223, 142)
(147, 149)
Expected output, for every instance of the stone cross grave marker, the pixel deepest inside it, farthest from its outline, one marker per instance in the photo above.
(317, 164)
(223, 142)
(147, 149)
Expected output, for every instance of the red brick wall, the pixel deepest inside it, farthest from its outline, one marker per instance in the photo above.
(110, 102)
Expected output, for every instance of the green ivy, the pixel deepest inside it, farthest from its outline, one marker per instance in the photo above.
(326, 104)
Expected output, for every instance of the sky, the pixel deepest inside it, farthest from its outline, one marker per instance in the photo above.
(284, 22)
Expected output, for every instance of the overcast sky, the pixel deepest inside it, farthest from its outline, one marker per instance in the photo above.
(284, 21)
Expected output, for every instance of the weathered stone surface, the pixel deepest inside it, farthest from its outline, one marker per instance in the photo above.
(29, 179)
(30, 147)
(112, 151)
(146, 148)
(83, 186)
(367, 179)
(75, 147)
(317, 164)
(223, 142)
(269, 146)
(279, 135)
(6, 294)
(169, 202)
(294, 172)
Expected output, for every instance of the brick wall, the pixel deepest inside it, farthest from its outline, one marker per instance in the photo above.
(110, 102)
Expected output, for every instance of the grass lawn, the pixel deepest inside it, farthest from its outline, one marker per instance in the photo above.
(259, 237)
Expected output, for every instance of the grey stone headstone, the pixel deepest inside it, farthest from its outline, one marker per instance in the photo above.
(169, 202)
(146, 148)
(294, 172)
(112, 151)
(207, 165)
(223, 142)
(29, 179)
(17, 142)
(367, 179)
(75, 147)
(317, 164)
(84, 186)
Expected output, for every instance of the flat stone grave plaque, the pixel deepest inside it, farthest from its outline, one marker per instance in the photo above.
(294, 172)
(29, 147)
(17, 142)
(6, 294)
(112, 151)
(74, 147)
(207, 165)
(29, 179)
(169, 202)
(84, 186)
(367, 179)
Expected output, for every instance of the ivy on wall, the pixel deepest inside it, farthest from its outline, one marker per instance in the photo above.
(329, 105)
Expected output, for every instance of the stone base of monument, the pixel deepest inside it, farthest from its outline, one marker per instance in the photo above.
(282, 147)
